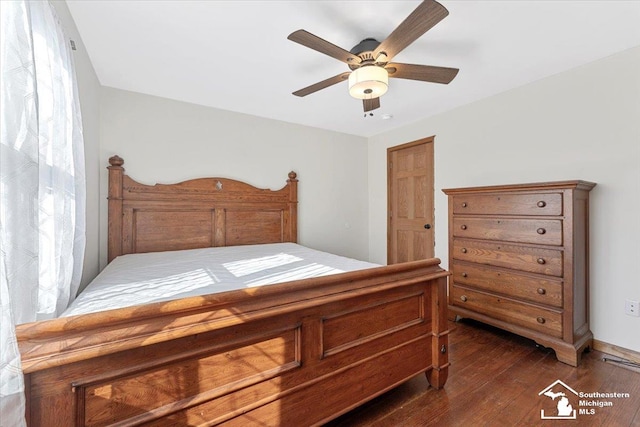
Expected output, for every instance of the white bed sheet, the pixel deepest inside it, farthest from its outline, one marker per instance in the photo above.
(161, 276)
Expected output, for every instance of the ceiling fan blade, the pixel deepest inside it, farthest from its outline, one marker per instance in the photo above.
(314, 42)
(323, 84)
(425, 73)
(421, 20)
(370, 104)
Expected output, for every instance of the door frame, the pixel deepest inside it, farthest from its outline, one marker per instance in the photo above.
(429, 144)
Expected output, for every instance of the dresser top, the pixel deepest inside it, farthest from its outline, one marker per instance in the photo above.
(559, 185)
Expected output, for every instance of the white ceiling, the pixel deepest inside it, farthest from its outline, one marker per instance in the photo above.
(235, 55)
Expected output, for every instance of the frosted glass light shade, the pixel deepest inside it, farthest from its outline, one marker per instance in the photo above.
(368, 82)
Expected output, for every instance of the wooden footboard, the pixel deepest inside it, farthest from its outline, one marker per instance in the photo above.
(293, 354)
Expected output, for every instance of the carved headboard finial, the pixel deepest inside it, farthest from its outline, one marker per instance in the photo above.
(293, 175)
(116, 161)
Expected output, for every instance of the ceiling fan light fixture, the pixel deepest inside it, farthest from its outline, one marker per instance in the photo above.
(368, 82)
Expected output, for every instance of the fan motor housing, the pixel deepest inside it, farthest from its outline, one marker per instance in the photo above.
(364, 50)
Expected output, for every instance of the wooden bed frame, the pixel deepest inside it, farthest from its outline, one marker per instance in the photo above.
(291, 354)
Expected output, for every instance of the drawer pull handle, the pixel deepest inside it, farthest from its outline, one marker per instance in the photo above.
(463, 250)
(542, 291)
(464, 204)
(464, 274)
(542, 204)
(463, 298)
(464, 227)
(541, 230)
(541, 261)
(541, 320)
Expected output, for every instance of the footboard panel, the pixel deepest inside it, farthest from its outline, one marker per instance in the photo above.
(154, 392)
(322, 399)
(302, 362)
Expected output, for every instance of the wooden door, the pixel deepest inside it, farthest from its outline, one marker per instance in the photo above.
(410, 228)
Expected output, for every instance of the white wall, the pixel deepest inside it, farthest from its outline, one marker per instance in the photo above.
(581, 124)
(89, 91)
(168, 141)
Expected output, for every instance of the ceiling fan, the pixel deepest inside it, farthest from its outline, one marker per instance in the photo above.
(370, 59)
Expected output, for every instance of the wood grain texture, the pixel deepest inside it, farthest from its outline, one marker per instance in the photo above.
(535, 288)
(422, 19)
(520, 230)
(318, 44)
(370, 104)
(196, 214)
(508, 204)
(296, 353)
(241, 353)
(496, 382)
(535, 317)
(410, 224)
(424, 73)
(540, 260)
(342, 77)
(615, 350)
(520, 257)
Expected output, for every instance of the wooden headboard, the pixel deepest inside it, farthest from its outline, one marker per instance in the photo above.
(198, 213)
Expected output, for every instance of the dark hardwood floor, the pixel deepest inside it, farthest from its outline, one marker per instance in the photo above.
(494, 380)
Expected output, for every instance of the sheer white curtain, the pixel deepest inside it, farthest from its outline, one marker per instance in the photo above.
(42, 183)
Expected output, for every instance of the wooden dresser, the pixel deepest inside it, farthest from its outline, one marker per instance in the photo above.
(519, 258)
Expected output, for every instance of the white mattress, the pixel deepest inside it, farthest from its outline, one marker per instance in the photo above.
(161, 276)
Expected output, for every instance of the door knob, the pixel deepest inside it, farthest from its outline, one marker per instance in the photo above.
(427, 226)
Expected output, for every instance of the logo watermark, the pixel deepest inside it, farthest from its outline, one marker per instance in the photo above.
(569, 404)
(564, 407)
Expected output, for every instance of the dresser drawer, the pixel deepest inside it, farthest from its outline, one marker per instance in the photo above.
(538, 289)
(537, 231)
(507, 310)
(508, 204)
(517, 257)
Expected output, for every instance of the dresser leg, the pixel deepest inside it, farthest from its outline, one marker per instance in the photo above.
(570, 357)
(572, 354)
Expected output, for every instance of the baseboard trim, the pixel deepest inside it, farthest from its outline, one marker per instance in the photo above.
(615, 350)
